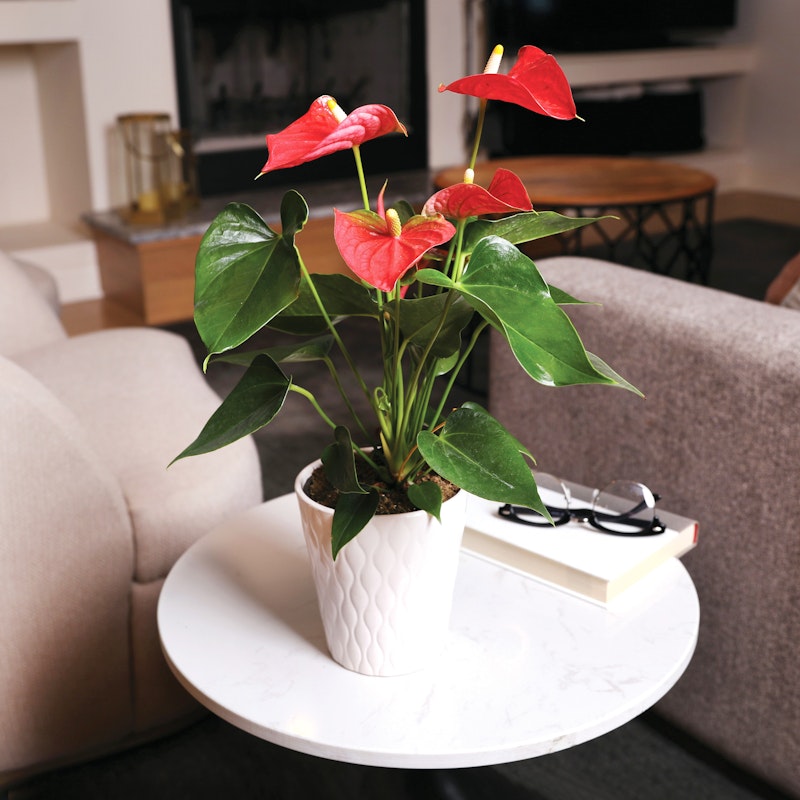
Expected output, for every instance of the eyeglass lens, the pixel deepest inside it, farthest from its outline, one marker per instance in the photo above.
(622, 508)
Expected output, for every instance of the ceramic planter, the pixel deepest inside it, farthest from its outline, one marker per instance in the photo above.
(385, 601)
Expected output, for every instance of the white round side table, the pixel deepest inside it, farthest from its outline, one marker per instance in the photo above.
(526, 669)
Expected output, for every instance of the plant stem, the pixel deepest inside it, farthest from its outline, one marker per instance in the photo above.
(332, 328)
(361, 180)
(478, 132)
(293, 387)
(343, 394)
(461, 361)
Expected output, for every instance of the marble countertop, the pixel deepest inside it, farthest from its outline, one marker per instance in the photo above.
(415, 186)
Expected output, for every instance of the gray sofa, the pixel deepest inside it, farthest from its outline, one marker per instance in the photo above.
(91, 520)
(718, 437)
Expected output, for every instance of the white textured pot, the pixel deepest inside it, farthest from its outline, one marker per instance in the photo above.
(385, 602)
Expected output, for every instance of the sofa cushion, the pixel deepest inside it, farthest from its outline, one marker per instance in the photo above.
(145, 401)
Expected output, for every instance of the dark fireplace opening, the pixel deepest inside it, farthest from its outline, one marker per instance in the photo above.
(245, 69)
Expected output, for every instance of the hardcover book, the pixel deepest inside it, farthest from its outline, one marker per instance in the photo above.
(575, 557)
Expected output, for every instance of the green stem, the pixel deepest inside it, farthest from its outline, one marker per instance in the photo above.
(343, 394)
(461, 361)
(478, 133)
(458, 260)
(361, 180)
(313, 400)
(332, 328)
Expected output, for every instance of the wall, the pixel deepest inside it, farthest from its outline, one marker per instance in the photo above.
(445, 23)
(69, 67)
(772, 126)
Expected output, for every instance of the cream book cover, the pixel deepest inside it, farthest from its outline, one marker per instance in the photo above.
(575, 557)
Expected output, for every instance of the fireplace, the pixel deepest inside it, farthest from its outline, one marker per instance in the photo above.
(245, 69)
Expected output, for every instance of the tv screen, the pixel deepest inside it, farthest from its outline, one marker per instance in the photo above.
(570, 25)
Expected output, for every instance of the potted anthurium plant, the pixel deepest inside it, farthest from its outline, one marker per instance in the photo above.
(432, 281)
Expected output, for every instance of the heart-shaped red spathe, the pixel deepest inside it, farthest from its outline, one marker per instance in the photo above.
(506, 194)
(375, 254)
(318, 133)
(535, 82)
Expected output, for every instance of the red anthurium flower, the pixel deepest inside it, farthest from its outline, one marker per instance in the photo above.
(379, 250)
(535, 82)
(325, 129)
(506, 193)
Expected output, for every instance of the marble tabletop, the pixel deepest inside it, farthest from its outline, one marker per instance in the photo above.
(526, 669)
(415, 186)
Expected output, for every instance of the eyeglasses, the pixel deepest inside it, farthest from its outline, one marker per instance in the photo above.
(623, 508)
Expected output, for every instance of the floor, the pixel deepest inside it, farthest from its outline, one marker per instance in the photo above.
(643, 760)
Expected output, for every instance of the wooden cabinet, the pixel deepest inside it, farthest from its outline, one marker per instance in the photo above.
(155, 279)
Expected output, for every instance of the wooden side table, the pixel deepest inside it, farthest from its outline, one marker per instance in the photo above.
(665, 210)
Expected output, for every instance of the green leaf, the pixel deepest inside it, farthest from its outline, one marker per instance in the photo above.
(294, 214)
(426, 496)
(504, 285)
(419, 320)
(310, 350)
(351, 515)
(341, 296)
(251, 405)
(471, 405)
(524, 227)
(433, 277)
(245, 273)
(564, 299)
(339, 461)
(474, 451)
(441, 366)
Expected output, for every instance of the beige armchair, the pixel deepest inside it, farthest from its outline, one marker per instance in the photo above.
(91, 520)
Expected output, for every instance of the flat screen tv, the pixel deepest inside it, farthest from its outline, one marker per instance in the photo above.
(591, 25)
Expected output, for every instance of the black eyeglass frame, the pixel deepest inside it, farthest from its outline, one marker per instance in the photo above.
(561, 516)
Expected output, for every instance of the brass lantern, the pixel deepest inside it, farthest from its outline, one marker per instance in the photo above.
(159, 168)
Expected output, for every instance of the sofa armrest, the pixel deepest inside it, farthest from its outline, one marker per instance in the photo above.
(27, 318)
(717, 437)
(65, 573)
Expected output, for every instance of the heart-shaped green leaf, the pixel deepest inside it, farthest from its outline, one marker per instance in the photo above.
(245, 273)
(309, 350)
(351, 515)
(564, 299)
(341, 296)
(419, 321)
(506, 288)
(524, 227)
(251, 405)
(474, 451)
(339, 462)
(427, 496)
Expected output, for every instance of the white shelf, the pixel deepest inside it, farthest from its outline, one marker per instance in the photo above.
(601, 69)
(38, 21)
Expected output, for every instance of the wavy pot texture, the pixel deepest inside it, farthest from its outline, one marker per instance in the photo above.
(385, 601)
